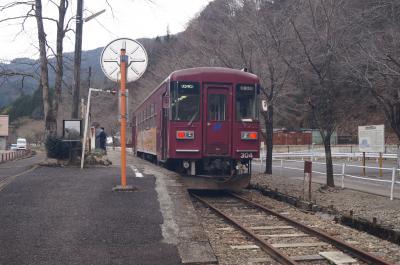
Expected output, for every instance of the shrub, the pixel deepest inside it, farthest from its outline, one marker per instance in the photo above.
(56, 148)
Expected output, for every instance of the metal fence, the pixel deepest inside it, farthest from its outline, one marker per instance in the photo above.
(12, 155)
(390, 179)
(318, 155)
(389, 149)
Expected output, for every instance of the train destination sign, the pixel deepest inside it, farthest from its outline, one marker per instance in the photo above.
(135, 56)
(371, 139)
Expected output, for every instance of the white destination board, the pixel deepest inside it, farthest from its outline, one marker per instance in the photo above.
(371, 138)
(3, 125)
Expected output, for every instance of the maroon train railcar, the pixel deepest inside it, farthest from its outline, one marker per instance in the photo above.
(204, 123)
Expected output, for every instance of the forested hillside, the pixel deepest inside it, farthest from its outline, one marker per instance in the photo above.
(327, 64)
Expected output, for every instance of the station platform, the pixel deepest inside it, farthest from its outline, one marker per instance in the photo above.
(54, 215)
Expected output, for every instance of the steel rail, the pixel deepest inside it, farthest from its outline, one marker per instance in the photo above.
(273, 252)
(361, 254)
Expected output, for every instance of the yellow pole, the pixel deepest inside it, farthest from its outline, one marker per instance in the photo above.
(123, 116)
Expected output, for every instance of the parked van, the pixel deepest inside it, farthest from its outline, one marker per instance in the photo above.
(21, 144)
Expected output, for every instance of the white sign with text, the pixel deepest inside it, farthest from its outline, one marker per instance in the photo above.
(371, 138)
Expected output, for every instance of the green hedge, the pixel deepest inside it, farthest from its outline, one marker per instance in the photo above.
(56, 148)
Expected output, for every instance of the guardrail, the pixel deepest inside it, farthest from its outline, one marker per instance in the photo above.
(336, 148)
(12, 155)
(315, 155)
(392, 181)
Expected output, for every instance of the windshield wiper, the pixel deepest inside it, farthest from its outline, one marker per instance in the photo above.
(192, 119)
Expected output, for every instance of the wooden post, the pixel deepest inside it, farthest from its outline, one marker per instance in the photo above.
(363, 163)
(308, 170)
(380, 164)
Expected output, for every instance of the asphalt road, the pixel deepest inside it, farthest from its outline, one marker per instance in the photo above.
(72, 216)
(374, 187)
(14, 167)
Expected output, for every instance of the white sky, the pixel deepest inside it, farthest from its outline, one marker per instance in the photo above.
(132, 18)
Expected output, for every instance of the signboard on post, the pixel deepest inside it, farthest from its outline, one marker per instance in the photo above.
(72, 129)
(371, 138)
(3, 125)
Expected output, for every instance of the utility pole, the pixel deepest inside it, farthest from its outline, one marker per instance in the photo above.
(77, 59)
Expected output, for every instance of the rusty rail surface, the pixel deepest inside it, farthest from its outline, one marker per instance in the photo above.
(361, 254)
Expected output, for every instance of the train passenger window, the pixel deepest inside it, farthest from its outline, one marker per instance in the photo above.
(185, 101)
(246, 103)
(216, 107)
(143, 119)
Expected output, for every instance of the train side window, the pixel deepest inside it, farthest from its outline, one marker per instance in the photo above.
(140, 121)
(216, 107)
(143, 120)
(152, 113)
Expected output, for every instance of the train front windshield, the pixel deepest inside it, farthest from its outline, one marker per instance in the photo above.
(185, 101)
(246, 103)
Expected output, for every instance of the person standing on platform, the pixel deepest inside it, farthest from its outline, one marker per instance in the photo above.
(103, 139)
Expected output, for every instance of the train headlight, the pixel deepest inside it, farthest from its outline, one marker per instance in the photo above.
(249, 135)
(182, 135)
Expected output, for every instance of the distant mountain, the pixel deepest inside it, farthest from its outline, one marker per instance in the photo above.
(13, 87)
(16, 86)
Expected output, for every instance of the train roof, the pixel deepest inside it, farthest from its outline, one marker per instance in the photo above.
(201, 72)
(212, 74)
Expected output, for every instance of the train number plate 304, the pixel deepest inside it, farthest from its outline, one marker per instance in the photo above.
(246, 155)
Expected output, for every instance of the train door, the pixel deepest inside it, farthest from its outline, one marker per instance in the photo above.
(164, 126)
(217, 136)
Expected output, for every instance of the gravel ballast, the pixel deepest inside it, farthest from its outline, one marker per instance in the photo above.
(344, 201)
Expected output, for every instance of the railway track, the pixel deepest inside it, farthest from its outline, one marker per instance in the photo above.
(284, 239)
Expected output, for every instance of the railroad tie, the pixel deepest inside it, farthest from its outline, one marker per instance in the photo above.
(271, 227)
(285, 235)
(297, 245)
(307, 258)
(245, 247)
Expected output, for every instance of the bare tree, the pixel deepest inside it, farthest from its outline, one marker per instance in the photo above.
(35, 11)
(374, 57)
(269, 35)
(321, 31)
(50, 122)
(62, 29)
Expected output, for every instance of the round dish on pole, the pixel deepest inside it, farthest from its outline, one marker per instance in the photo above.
(137, 59)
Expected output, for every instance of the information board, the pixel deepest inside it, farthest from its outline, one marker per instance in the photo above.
(371, 138)
(72, 129)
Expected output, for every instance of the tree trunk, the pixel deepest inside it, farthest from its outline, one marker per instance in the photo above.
(59, 56)
(269, 131)
(330, 182)
(50, 124)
